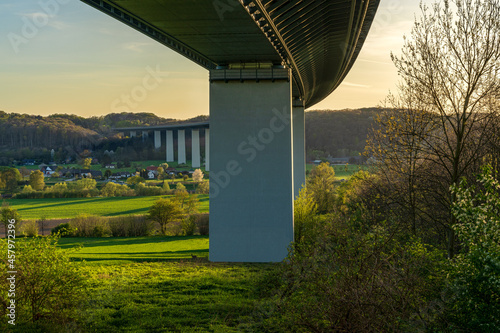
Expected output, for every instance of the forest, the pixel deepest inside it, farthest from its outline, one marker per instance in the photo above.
(339, 133)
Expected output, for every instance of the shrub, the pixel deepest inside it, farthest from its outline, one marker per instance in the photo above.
(49, 286)
(203, 225)
(63, 230)
(130, 226)
(165, 211)
(188, 225)
(90, 226)
(354, 282)
(474, 291)
(29, 228)
(203, 188)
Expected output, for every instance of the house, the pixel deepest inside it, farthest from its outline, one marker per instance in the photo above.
(151, 172)
(121, 174)
(28, 162)
(110, 166)
(87, 173)
(47, 170)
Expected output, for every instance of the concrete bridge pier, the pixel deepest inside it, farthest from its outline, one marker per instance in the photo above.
(299, 146)
(133, 134)
(195, 148)
(251, 171)
(157, 139)
(181, 146)
(170, 146)
(207, 149)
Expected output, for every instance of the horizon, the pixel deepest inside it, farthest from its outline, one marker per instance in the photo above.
(70, 58)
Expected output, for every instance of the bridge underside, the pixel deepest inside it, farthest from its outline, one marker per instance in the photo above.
(268, 59)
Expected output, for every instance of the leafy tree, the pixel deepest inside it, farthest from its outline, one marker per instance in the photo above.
(107, 173)
(85, 184)
(320, 186)
(161, 172)
(203, 187)
(475, 271)
(449, 69)
(9, 178)
(37, 180)
(135, 180)
(27, 189)
(8, 214)
(59, 187)
(165, 211)
(112, 189)
(305, 220)
(49, 286)
(86, 163)
(197, 175)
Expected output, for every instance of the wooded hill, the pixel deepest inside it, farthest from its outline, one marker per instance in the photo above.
(336, 133)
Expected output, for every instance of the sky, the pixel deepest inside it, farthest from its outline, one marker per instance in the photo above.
(63, 56)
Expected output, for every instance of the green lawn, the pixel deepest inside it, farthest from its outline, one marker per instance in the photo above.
(101, 206)
(180, 294)
(137, 249)
(153, 284)
(342, 171)
(173, 297)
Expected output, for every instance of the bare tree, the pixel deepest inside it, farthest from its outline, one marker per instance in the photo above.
(450, 81)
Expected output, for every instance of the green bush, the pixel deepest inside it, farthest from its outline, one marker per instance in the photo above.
(63, 230)
(353, 282)
(130, 226)
(473, 303)
(188, 225)
(29, 228)
(49, 287)
(203, 224)
(90, 226)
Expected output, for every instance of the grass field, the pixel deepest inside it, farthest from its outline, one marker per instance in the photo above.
(101, 206)
(152, 284)
(131, 291)
(137, 249)
(342, 171)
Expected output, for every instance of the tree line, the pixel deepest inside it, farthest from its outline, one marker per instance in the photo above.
(66, 137)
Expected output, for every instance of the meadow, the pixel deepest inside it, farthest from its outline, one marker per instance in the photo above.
(154, 284)
(136, 249)
(342, 172)
(32, 209)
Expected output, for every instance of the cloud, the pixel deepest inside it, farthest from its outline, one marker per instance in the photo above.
(134, 46)
(356, 85)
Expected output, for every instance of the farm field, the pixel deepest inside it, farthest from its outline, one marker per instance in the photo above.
(102, 206)
(342, 171)
(137, 249)
(153, 284)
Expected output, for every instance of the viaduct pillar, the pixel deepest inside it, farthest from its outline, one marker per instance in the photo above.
(207, 149)
(251, 167)
(195, 148)
(181, 146)
(299, 146)
(170, 146)
(157, 139)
